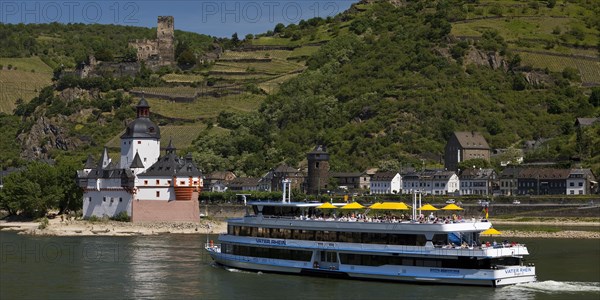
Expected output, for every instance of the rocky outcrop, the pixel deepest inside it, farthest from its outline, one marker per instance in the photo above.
(490, 59)
(45, 135)
(537, 78)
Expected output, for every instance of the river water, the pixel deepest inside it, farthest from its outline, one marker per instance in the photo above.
(175, 266)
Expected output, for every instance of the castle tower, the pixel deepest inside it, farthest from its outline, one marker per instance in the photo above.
(318, 170)
(141, 138)
(165, 40)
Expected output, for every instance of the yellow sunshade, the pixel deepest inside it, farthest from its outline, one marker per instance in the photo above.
(375, 205)
(353, 205)
(326, 205)
(428, 207)
(491, 231)
(391, 206)
(452, 207)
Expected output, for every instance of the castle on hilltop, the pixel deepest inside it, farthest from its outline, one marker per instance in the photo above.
(161, 51)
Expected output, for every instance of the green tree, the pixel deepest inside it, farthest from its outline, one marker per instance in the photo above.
(595, 97)
(474, 163)
(186, 59)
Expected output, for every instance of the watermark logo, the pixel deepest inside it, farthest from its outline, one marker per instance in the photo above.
(266, 11)
(129, 12)
(69, 12)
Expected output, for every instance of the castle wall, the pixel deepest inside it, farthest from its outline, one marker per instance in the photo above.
(106, 202)
(166, 211)
(145, 48)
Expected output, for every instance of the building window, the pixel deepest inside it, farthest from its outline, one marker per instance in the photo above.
(169, 182)
(581, 184)
(182, 183)
(145, 182)
(139, 142)
(157, 194)
(120, 199)
(157, 182)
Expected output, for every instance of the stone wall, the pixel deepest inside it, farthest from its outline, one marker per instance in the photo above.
(165, 211)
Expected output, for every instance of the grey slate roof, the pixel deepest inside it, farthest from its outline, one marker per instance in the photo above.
(137, 162)
(142, 126)
(172, 165)
(384, 176)
(89, 163)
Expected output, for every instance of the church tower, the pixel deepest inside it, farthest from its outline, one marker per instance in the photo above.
(141, 138)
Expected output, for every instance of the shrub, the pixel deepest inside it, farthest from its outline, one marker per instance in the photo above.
(43, 223)
(121, 217)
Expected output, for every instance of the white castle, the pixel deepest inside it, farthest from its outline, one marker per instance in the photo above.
(145, 185)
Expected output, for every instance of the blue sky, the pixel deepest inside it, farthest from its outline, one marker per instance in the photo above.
(213, 17)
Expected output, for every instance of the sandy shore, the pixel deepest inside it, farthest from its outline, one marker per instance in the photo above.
(57, 227)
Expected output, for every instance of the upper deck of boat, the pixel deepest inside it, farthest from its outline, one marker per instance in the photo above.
(358, 222)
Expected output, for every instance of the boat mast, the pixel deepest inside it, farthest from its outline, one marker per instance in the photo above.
(287, 190)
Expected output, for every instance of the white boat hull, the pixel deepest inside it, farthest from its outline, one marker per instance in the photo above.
(427, 275)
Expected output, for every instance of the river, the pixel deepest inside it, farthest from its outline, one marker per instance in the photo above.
(175, 266)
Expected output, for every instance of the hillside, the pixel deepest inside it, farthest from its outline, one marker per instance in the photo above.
(36, 50)
(390, 91)
(382, 85)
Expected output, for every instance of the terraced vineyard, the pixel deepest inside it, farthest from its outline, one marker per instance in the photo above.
(588, 69)
(180, 91)
(24, 82)
(183, 78)
(553, 38)
(206, 107)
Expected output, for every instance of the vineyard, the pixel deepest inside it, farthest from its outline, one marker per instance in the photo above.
(183, 78)
(206, 107)
(182, 135)
(589, 70)
(180, 91)
(21, 78)
(272, 86)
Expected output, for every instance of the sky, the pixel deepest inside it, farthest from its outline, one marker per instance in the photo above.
(212, 17)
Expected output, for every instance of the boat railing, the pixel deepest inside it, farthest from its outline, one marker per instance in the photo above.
(211, 247)
(368, 220)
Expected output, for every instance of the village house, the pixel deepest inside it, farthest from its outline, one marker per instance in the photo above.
(386, 183)
(477, 181)
(281, 172)
(243, 184)
(509, 181)
(143, 185)
(581, 182)
(543, 181)
(464, 146)
(350, 180)
(217, 181)
(431, 182)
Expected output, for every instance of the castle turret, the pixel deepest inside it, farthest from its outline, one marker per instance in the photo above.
(318, 170)
(142, 137)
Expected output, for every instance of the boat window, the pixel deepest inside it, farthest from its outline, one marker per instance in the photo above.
(287, 254)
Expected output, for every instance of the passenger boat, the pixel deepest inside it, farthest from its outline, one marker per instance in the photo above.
(288, 237)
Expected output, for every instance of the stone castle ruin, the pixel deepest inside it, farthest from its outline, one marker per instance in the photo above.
(161, 51)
